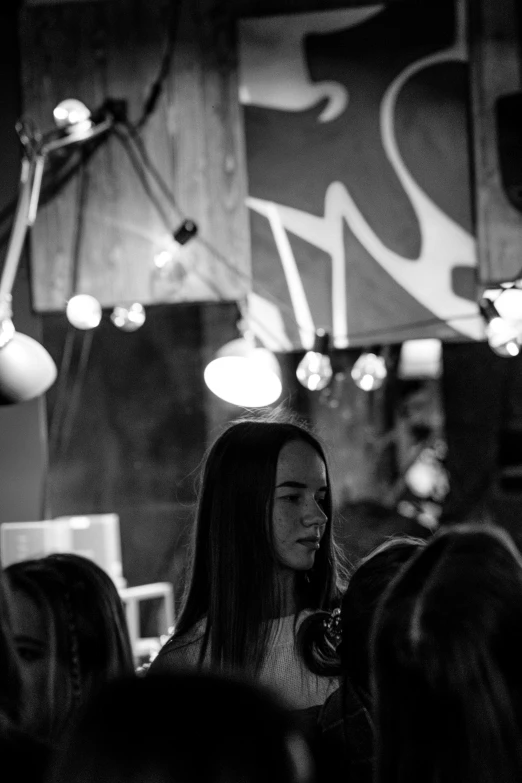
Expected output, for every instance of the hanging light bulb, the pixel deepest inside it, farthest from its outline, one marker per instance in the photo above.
(167, 259)
(369, 371)
(73, 116)
(128, 318)
(243, 374)
(314, 371)
(84, 311)
(503, 337)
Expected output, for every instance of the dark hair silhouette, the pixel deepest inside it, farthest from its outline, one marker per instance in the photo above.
(340, 646)
(88, 637)
(10, 678)
(446, 655)
(183, 728)
(231, 575)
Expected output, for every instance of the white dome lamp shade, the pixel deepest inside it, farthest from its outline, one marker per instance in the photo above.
(244, 375)
(26, 369)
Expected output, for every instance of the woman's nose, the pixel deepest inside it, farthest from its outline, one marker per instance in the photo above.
(314, 514)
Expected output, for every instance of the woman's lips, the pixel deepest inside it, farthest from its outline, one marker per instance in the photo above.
(310, 543)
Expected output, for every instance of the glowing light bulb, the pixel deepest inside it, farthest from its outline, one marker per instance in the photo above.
(369, 372)
(502, 337)
(165, 259)
(72, 114)
(314, 371)
(84, 311)
(128, 318)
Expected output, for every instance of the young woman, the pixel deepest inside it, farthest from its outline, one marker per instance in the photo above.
(447, 648)
(70, 634)
(263, 556)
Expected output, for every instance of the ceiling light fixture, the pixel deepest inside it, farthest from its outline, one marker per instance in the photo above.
(314, 371)
(369, 371)
(244, 374)
(503, 337)
(26, 368)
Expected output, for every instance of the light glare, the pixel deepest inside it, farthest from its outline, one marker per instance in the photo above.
(249, 382)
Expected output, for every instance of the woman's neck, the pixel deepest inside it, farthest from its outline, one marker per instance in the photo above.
(286, 591)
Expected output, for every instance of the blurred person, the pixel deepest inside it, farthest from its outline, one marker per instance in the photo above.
(338, 644)
(188, 727)
(70, 634)
(10, 674)
(263, 556)
(23, 758)
(447, 648)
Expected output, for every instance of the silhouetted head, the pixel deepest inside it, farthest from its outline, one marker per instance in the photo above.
(184, 728)
(447, 648)
(366, 588)
(70, 634)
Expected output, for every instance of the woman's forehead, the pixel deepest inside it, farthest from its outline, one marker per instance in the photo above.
(300, 461)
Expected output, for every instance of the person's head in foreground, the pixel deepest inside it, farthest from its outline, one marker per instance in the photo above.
(447, 651)
(70, 634)
(184, 728)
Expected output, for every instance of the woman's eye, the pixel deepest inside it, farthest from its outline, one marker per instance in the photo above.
(290, 498)
(30, 655)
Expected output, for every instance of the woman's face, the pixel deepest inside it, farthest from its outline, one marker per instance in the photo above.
(32, 643)
(298, 518)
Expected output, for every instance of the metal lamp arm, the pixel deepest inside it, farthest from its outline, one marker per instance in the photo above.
(33, 164)
(26, 196)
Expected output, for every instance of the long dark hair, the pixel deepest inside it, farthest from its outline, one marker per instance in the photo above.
(231, 567)
(88, 636)
(10, 678)
(341, 646)
(447, 648)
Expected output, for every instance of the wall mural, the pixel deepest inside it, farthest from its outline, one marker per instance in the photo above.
(358, 164)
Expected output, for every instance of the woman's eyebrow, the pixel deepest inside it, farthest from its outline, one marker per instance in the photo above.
(299, 485)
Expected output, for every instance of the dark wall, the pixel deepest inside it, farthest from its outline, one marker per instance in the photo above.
(22, 429)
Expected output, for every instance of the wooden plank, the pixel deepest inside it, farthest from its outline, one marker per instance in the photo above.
(496, 71)
(194, 138)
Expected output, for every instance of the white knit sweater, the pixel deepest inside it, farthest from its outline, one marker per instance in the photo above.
(283, 670)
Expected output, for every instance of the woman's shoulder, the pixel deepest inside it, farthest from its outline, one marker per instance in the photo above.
(180, 650)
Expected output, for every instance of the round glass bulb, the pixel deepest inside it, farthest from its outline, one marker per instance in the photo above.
(84, 311)
(369, 372)
(314, 371)
(502, 337)
(128, 318)
(71, 112)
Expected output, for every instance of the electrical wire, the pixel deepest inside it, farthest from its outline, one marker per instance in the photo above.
(157, 86)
